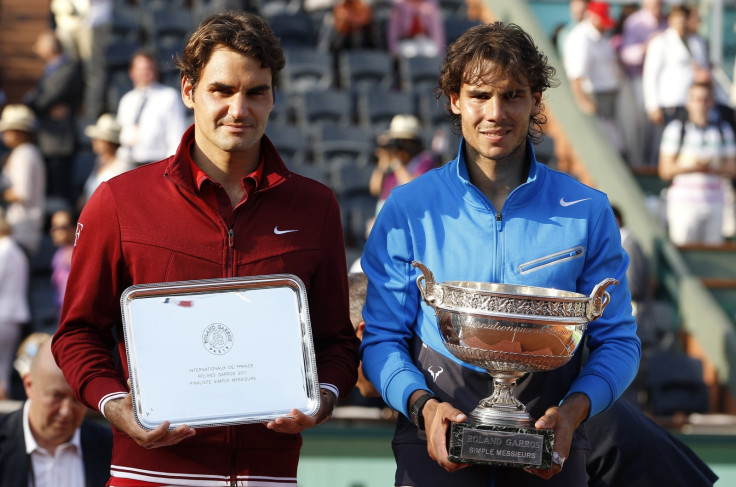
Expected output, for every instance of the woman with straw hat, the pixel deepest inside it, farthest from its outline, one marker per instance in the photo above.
(24, 176)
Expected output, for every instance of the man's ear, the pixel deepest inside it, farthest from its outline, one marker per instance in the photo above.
(537, 102)
(187, 92)
(359, 331)
(27, 383)
(454, 103)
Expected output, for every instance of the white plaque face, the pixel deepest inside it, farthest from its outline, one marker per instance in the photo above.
(221, 351)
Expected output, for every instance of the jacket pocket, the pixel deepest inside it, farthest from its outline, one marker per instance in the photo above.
(552, 259)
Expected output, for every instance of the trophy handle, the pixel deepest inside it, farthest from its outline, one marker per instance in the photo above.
(600, 298)
(425, 283)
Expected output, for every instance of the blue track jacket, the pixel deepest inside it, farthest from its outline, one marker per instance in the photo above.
(553, 232)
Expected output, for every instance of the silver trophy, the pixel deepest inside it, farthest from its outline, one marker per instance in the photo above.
(508, 330)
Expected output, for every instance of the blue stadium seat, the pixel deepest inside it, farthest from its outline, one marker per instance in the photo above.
(363, 71)
(307, 69)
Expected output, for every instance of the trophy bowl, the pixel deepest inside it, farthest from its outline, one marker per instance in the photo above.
(507, 330)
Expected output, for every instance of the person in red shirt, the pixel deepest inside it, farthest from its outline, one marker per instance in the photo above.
(224, 205)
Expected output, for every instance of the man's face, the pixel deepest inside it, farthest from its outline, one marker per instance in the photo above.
(11, 138)
(598, 21)
(62, 229)
(231, 103)
(699, 103)
(678, 22)
(495, 115)
(142, 71)
(54, 413)
(577, 9)
(653, 6)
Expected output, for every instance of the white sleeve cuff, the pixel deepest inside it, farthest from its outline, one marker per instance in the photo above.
(330, 388)
(109, 397)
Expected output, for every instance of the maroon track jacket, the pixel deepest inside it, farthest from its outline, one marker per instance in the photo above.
(150, 225)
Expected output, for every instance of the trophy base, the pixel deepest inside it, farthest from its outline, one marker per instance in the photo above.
(502, 446)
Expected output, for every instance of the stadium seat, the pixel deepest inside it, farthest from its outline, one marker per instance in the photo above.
(307, 69)
(338, 146)
(294, 29)
(455, 25)
(291, 142)
(419, 73)
(377, 108)
(316, 108)
(363, 71)
(676, 384)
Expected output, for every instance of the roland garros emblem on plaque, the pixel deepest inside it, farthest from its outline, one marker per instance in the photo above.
(217, 339)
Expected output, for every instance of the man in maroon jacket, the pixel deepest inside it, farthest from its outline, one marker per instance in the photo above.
(224, 205)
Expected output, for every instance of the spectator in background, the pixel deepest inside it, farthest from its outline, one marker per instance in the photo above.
(48, 442)
(14, 310)
(353, 25)
(674, 59)
(577, 12)
(105, 135)
(401, 157)
(63, 231)
(638, 29)
(699, 156)
(357, 286)
(416, 28)
(55, 100)
(24, 177)
(83, 27)
(152, 116)
(27, 350)
(592, 66)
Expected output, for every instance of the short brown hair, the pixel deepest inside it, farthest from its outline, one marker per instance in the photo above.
(510, 50)
(243, 32)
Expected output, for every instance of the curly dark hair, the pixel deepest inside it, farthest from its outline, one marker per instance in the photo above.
(243, 32)
(497, 49)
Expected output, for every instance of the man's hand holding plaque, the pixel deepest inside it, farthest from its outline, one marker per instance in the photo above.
(297, 421)
(119, 412)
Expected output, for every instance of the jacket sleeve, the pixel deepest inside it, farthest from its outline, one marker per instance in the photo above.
(84, 344)
(615, 349)
(392, 306)
(336, 346)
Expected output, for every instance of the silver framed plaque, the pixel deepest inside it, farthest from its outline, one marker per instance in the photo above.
(219, 351)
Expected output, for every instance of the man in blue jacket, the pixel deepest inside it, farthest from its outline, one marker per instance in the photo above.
(494, 214)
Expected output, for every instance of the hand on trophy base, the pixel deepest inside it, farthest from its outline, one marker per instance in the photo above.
(504, 446)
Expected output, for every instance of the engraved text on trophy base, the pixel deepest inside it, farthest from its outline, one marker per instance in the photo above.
(501, 446)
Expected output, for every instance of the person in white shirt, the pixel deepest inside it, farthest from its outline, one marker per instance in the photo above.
(674, 60)
(152, 116)
(48, 443)
(14, 310)
(23, 177)
(699, 156)
(591, 66)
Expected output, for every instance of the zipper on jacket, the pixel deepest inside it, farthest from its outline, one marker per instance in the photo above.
(551, 259)
(233, 456)
(230, 238)
(499, 222)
